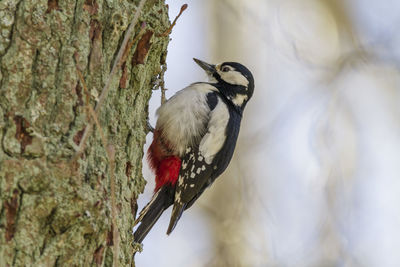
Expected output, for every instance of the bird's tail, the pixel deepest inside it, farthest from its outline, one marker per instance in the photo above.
(149, 215)
(175, 216)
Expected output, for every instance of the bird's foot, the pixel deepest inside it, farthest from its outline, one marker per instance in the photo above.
(149, 127)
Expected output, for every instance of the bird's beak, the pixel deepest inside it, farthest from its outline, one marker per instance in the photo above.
(209, 68)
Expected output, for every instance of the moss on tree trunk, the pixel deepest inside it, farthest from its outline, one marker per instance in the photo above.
(55, 211)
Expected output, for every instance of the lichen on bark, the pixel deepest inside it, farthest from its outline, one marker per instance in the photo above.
(55, 211)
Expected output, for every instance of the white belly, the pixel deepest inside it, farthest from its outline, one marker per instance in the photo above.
(182, 120)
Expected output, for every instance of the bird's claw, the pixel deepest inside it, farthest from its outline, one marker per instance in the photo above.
(149, 127)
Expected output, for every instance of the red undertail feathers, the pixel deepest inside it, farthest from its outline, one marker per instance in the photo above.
(168, 171)
(165, 165)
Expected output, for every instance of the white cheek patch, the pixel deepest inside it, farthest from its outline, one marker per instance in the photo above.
(239, 99)
(211, 79)
(234, 77)
(214, 139)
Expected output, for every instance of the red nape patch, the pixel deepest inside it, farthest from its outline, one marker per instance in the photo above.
(168, 171)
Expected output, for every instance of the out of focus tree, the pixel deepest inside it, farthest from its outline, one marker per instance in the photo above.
(307, 138)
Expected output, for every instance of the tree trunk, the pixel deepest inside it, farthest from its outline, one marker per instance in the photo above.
(55, 210)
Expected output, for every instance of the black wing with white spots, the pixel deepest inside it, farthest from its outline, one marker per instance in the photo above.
(196, 174)
(224, 156)
(193, 175)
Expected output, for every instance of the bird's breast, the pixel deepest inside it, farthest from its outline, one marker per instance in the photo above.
(182, 120)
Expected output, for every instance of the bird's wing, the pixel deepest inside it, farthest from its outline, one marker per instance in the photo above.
(197, 163)
(193, 175)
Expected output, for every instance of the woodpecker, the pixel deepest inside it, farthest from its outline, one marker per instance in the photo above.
(194, 140)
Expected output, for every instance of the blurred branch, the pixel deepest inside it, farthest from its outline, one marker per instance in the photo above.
(168, 31)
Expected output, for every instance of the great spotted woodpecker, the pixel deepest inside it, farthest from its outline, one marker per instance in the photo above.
(194, 140)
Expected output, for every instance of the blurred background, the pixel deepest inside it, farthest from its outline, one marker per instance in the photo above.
(315, 179)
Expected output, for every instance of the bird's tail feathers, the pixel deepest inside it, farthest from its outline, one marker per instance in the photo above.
(146, 208)
(175, 216)
(151, 213)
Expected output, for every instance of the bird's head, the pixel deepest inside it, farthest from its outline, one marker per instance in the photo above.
(232, 79)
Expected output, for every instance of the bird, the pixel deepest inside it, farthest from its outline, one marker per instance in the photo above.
(194, 140)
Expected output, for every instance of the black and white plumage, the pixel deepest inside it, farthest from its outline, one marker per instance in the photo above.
(194, 140)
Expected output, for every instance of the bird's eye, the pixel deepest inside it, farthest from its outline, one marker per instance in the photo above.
(225, 69)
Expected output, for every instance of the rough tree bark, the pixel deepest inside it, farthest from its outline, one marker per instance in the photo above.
(55, 211)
